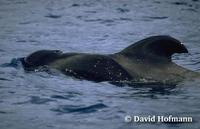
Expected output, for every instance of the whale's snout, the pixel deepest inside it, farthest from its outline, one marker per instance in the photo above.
(183, 49)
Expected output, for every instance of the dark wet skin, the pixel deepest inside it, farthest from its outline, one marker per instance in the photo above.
(148, 59)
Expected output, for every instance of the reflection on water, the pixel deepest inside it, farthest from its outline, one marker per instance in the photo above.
(52, 100)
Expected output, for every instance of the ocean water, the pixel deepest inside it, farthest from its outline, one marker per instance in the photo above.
(40, 100)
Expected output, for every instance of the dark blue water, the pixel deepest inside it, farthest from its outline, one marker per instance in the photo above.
(54, 101)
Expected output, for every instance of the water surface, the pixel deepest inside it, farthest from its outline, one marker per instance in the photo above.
(55, 101)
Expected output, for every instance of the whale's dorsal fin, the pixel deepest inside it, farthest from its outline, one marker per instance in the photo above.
(159, 48)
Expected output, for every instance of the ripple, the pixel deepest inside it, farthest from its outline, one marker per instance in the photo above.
(53, 16)
(20, 2)
(179, 3)
(190, 9)
(1, 50)
(67, 96)
(90, 11)
(36, 100)
(91, 20)
(79, 109)
(3, 112)
(108, 22)
(145, 83)
(182, 4)
(15, 62)
(26, 22)
(4, 79)
(125, 19)
(122, 10)
(75, 5)
(153, 93)
(157, 2)
(157, 17)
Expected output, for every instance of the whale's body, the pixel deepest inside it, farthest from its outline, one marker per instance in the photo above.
(148, 59)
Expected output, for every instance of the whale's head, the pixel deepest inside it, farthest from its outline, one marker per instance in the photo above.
(40, 58)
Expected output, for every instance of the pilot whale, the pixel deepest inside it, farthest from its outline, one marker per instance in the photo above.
(146, 60)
